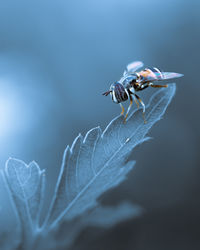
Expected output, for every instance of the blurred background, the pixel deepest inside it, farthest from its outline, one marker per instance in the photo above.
(58, 57)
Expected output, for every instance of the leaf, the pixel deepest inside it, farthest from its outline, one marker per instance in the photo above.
(25, 183)
(92, 165)
(98, 162)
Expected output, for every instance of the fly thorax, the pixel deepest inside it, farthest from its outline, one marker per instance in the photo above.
(130, 80)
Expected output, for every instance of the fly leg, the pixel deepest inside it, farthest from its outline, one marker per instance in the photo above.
(134, 98)
(122, 107)
(157, 86)
(129, 107)
(136, 102)
(143, 106)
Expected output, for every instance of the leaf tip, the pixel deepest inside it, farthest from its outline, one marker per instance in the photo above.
(33, 164)
(77, 141)
(12, 161)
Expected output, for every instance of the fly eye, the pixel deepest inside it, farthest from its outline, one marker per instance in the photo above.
(114, 96)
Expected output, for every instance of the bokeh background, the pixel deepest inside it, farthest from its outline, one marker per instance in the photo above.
(58, 57)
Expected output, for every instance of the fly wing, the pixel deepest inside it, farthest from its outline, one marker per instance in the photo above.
(132, 67)
(170, 75)
(154, 74)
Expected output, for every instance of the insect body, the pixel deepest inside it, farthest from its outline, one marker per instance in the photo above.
(133, 81)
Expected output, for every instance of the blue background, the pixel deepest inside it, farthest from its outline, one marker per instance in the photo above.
(58, 57)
